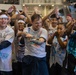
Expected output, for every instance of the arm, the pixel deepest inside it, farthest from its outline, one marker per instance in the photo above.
(42, 37)
(16, 27)
(4, 44)
(50, 39)
(21, 41)
(14, 16)
(61, 43)
(70, 28)
(68, 24)
(24, 34)
(44, 18)
(38, 41)
(28, 18)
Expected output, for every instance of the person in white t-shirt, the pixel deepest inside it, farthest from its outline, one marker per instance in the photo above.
(6, 38)
(34, 60)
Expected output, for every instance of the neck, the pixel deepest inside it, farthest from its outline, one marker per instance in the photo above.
(34, 29)
(1, 27)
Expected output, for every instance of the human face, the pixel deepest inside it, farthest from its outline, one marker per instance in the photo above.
(69, 18)
(4, 22)
(61, 29)
(21, 26)
(37, 24)
(54, 22)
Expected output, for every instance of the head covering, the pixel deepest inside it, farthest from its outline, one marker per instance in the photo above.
(21, 21)
(3, 16)
(22, 16)
(69, 15)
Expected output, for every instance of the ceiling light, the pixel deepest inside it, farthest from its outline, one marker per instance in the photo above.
(39, 5)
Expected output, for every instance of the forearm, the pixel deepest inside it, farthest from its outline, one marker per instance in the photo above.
(36, 41)
(50, 39)
(61, 43)
(28, 20)
(22, 42)
(14, 16)
(45, 17)
(69, 29)
(68, 24)
(4, 44)
(16, 27)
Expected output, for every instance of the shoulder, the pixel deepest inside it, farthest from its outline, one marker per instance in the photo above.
(9, 28)
(27, 29)
(43, 29)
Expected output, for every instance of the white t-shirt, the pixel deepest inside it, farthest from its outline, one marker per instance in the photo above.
(32, 48)
(6, 53)
(57, 53)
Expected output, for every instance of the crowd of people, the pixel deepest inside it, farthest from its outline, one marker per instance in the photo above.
(35, 45)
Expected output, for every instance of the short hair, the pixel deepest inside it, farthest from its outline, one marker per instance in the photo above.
(62, 24)
(35, 16)
(53, 16)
